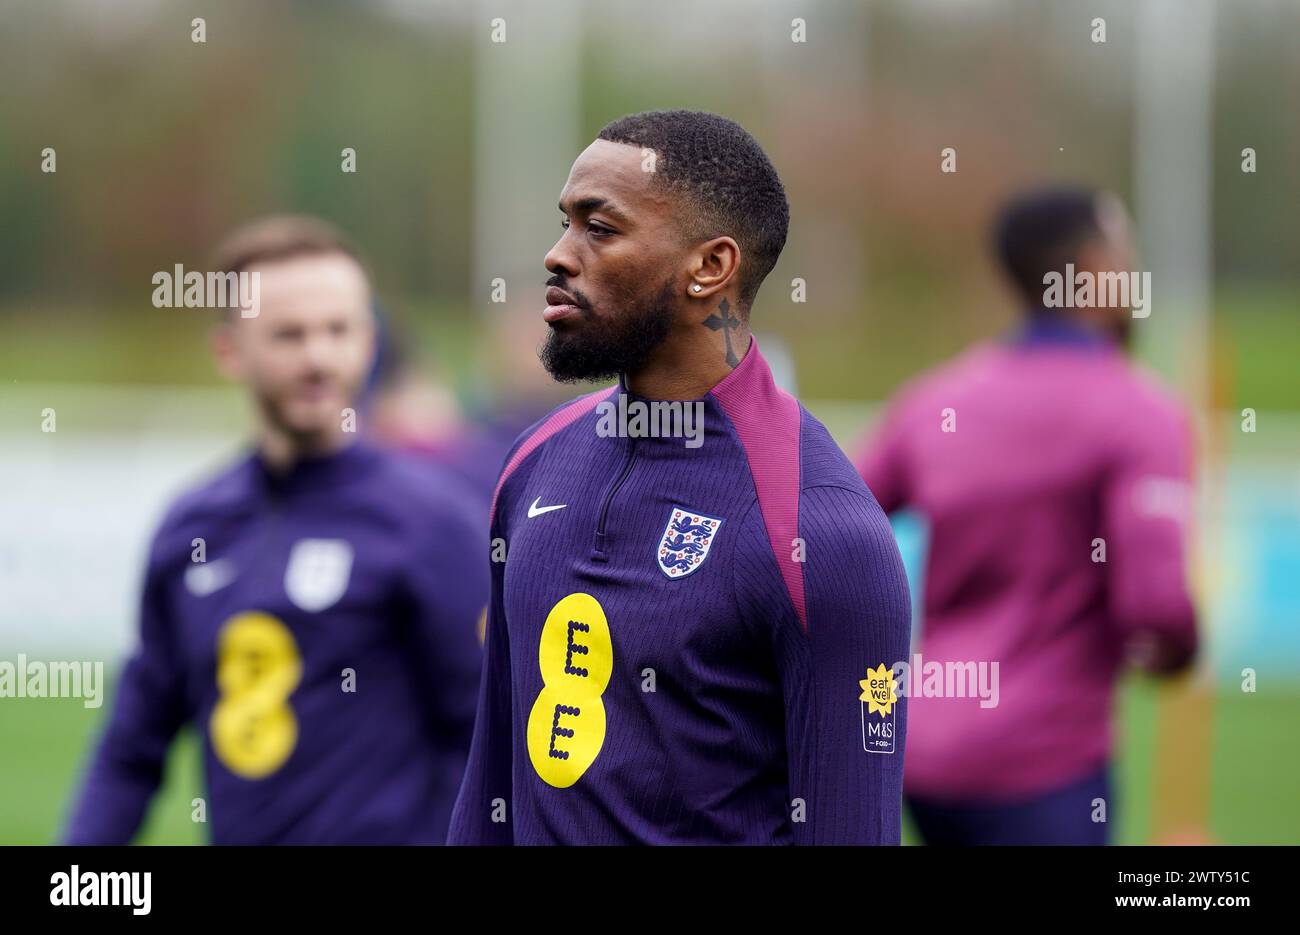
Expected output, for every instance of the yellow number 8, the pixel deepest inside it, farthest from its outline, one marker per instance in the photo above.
(566, 727)
(253, 729)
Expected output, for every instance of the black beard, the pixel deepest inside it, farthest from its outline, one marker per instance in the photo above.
(600, 348)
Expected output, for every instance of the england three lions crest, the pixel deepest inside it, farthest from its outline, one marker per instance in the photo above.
(318, 572)
(686, 541)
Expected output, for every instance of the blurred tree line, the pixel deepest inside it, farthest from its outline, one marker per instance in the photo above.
(164, 144)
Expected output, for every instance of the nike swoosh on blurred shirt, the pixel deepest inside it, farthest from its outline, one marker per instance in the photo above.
(204, 578)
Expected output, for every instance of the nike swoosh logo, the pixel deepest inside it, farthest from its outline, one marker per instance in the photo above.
(536, 510)
(208, 577)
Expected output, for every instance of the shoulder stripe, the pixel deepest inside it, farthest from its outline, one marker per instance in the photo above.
(767, 419)
(556, 422)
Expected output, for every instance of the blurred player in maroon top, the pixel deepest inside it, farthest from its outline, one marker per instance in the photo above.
(1056, 481)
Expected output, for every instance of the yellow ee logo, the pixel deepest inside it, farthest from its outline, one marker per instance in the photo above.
(253, 729)
(566, 727)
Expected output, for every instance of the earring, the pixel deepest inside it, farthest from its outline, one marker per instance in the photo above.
(697, 287)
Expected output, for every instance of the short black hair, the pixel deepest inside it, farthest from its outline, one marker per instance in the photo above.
(1040, 231)
(724, 173)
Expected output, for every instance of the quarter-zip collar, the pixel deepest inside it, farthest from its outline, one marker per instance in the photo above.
(1047, 330)
(600, 547)
(315, 473)
(751, 368)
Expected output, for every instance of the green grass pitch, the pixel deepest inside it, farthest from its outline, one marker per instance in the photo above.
(1254, 775)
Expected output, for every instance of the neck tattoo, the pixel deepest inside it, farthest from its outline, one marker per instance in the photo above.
(725, 323)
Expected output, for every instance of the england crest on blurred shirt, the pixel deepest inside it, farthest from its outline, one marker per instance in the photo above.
(318, 572)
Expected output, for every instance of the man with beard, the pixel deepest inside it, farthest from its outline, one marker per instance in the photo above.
(686, 643)
(1058, 497)
(312, 611)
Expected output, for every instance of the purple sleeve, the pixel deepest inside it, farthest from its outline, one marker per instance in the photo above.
(1147, 505)
(448, 588)
(488, 773)
(858, 619)
(148, 709)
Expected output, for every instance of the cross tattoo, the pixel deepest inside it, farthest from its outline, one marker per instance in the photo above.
(725, 322)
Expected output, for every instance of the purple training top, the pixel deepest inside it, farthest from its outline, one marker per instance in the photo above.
(1022, 455)
(325, 651)
(680, 638)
